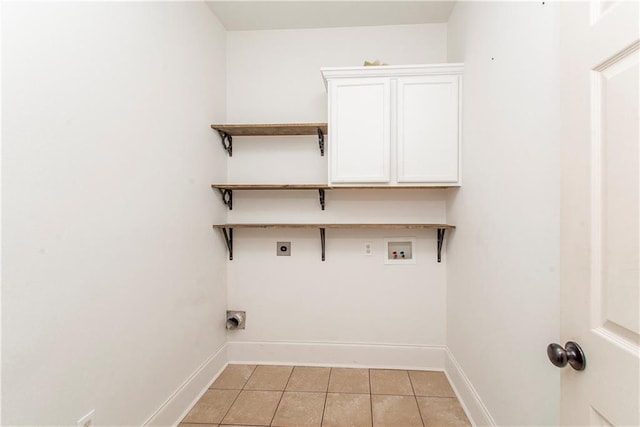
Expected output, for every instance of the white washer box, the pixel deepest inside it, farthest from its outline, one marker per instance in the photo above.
(400, 250)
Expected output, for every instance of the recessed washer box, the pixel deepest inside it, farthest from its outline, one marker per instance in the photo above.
(400, 250)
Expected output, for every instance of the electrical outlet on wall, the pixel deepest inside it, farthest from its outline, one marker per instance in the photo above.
(368, 250)
(87, 420)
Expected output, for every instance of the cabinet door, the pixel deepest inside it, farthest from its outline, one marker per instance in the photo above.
(427, 135)
(359, 130)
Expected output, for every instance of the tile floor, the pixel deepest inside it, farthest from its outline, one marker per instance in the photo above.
(288, 396)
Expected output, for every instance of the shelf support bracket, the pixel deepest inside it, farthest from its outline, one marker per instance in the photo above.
(227, 142)
(321, 195)
(321, 141)
(441, 232)
(227, 197)
(228, 239)
(322, 242)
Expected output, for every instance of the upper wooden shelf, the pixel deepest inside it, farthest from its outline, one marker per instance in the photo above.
(272, 129)
(227, 132)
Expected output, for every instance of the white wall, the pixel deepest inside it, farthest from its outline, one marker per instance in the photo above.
(503, 282)
(274, 76)
(114, 284)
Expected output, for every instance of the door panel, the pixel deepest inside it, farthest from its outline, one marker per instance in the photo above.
(615, 106)
(600, 205)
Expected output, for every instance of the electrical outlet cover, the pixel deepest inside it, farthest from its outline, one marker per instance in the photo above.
(368, 249)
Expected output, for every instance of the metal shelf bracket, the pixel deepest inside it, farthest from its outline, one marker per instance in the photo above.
(228, 239)
(322, 242)
(441, 232)
(227, 142)
(321, 141)
(227, 197)
(321, 195)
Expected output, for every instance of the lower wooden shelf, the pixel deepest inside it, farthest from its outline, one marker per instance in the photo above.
(227, 231)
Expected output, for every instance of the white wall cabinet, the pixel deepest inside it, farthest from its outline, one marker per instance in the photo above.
(394, 125)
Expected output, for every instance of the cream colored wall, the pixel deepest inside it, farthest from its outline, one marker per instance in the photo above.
(113, 283)
(502, 270)
(298, 305)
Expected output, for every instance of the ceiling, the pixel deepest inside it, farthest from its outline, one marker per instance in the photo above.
(277, 15)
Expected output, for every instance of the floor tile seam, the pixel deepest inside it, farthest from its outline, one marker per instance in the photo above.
(329, 382)
(229, 408)
(265, 389)
(415, 398)
(395, 394)
(255, 367)
(324, 407)
(197, 422)
(348, 392)
(273, 417)
(328, 378)
(419, 410)
(370, 396)
(437, 397)
(413, 389)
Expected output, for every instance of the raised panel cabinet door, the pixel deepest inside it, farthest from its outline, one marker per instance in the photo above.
(428, 123)
(359, 130)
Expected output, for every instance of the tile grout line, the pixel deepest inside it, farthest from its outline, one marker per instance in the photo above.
(239, 393)
(370, 395)
(428, 395)
(293, 368)
(415, 397)
(326, 395)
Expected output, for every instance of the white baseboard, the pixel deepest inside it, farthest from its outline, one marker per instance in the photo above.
(172, 411)
(476, 411)
(337, 354)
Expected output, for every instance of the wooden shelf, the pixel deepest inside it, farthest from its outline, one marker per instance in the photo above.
(272, 129)
(227, 231)
(342, 226)
(226, 190)
(321, 187)
(228, 131)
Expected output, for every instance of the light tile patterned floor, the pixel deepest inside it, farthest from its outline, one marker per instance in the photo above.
(288, 396)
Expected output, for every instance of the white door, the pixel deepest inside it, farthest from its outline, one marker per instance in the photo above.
(428, 122)
(359, 134)
(600, 212)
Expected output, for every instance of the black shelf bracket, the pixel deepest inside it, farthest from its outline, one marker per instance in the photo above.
(440, 241)
(322, 242)
(227, 233)
(321, 141)
(227, 197)
(227, 142)
(321, 195)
